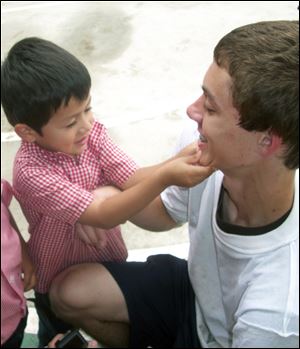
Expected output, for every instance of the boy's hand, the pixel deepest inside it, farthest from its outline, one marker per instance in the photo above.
(91, 235)
(185, 171)
(190, 149)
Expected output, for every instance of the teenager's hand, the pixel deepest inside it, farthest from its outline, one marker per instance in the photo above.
(185, 171)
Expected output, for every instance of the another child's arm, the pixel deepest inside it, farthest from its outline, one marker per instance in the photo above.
(29, 277)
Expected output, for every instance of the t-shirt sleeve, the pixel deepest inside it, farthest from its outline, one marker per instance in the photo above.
(50, 193)
(175, 200)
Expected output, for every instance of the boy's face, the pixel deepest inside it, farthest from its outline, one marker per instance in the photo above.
(68, 129)
(225, 145)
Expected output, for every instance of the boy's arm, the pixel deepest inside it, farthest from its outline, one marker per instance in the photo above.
(92, 235)
(28, 269)
(144, 172)
(183, 171)
(154, 217)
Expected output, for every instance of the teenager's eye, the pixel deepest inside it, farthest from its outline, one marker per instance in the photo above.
(88, 109)
(209, 110)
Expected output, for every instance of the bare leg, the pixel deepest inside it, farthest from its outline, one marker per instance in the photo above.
(87, 296)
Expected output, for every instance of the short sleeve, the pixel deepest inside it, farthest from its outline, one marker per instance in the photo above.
(50, 193)
(175, 200)
(115, 164)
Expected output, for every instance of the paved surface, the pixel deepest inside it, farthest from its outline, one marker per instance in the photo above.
(147, 62)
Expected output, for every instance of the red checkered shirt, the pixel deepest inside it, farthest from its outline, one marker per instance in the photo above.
(54, 189)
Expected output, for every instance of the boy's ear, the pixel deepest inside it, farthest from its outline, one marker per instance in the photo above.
(25, 132)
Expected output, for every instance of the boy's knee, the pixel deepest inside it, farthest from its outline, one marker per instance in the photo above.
(88, 290)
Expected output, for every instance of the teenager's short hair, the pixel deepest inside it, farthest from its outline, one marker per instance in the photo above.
(263, 62)
(37, 77)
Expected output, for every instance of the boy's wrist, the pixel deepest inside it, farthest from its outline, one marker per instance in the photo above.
(162, 175)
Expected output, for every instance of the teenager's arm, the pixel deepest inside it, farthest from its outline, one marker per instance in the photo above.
(182, 171)
(154, 217)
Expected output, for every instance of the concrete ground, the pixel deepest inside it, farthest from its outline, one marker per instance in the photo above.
(147, 60)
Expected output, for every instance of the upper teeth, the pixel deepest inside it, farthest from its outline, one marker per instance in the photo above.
(202, 138)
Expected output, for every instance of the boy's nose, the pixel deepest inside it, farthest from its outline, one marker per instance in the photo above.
(87, 124)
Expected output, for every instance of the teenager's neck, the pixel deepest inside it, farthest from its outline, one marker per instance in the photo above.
(258, 197)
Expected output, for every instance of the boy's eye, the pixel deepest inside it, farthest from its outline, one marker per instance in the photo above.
(71, 124)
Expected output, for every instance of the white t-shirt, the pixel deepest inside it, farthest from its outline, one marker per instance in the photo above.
(246, 287)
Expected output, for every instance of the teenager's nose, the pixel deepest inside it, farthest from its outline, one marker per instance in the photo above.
(195, 110)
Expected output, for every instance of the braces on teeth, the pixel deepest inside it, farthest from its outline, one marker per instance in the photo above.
(202, 138)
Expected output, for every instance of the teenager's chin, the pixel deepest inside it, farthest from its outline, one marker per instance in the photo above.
(206, 160)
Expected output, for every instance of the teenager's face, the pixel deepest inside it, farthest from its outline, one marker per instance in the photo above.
(224, 145)
(68, 129)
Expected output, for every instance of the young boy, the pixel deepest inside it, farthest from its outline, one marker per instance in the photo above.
(14, 261)
(64, 156)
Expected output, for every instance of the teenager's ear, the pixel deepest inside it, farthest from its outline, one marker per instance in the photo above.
(269, 143)
(25, 132)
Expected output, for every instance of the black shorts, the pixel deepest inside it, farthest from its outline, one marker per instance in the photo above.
(160, 301)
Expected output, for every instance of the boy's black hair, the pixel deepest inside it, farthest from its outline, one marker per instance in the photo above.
(37, 77)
